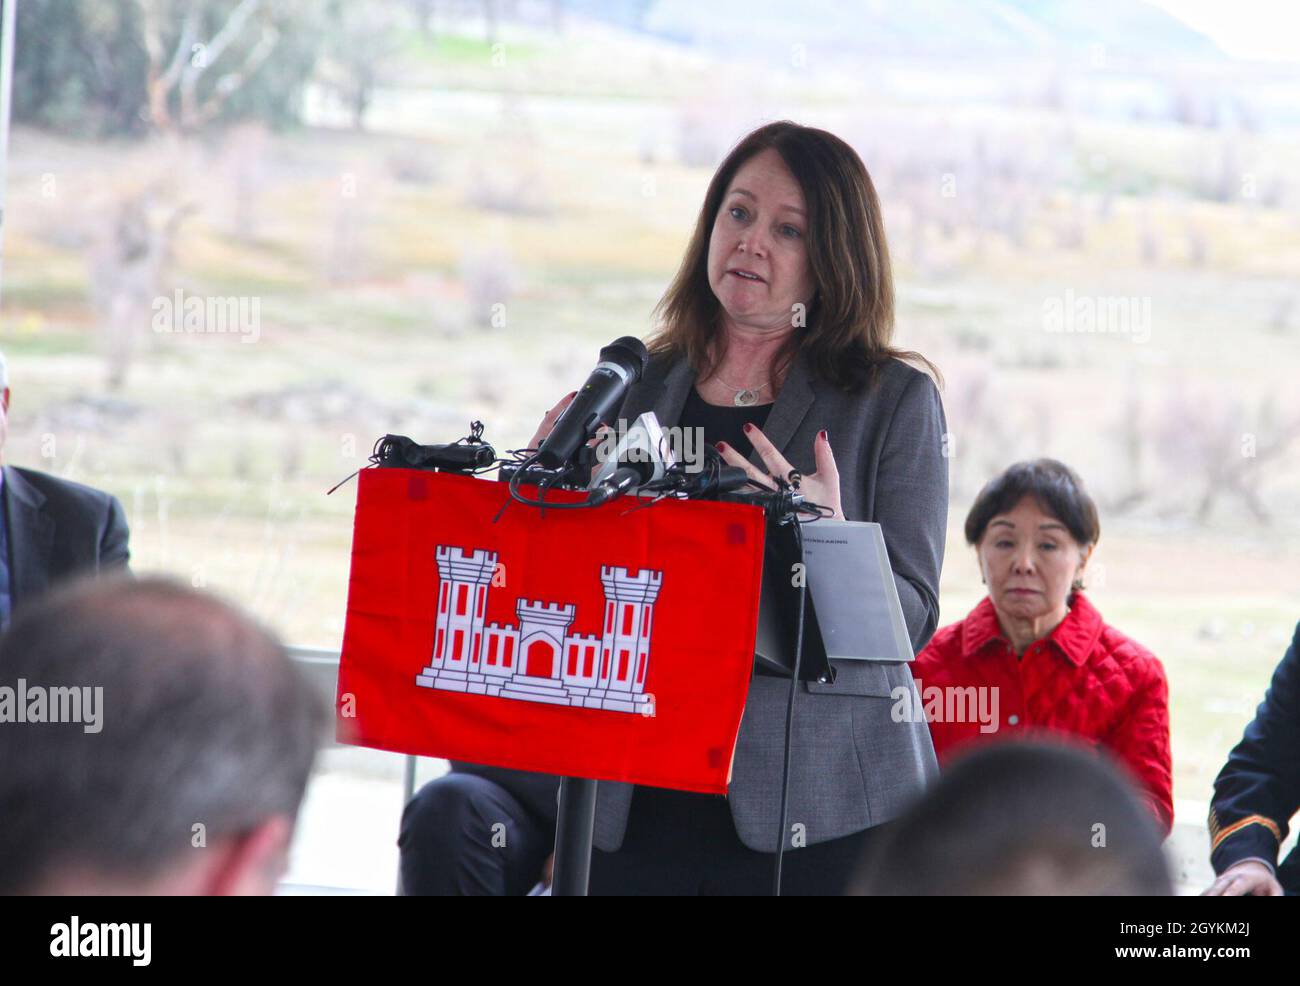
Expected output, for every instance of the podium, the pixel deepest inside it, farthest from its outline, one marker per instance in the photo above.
(590, 644)
(594, 644)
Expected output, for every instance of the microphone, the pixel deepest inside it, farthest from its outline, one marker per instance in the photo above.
(728, 479)
(777, 504)
(621, 365)
(643, 455)
(624, 478)
(403, 453)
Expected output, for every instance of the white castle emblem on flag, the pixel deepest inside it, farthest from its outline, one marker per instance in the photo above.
(539, 660)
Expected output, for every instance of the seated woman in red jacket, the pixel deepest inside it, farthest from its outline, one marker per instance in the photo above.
(1035, 652)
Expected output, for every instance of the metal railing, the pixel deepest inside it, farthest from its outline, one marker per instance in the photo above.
(322, 666)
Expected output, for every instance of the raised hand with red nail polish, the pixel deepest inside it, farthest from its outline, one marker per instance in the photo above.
(820, 487)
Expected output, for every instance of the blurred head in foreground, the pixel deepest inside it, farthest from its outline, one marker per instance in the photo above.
(1022, 819)
(153, 740)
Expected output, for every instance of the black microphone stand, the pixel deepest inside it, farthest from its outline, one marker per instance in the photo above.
(789, 713)
(575, 815)
(575, 824)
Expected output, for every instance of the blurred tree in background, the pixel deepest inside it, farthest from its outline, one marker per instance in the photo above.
(128, 67)
(364, 37)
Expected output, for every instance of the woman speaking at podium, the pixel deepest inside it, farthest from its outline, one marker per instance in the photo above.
(775, 338)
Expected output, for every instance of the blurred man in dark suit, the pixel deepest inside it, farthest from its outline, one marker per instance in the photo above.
(1257, 792)
(51, 528)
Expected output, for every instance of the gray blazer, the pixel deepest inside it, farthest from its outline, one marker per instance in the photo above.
(852, 766)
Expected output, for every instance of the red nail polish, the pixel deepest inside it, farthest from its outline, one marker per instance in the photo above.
(748, 427)
(822, 435)
(721, 446)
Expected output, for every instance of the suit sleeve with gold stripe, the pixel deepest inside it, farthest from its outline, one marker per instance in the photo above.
(1258, 789)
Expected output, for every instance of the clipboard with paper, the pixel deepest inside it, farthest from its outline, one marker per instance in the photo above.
(852, 586)
(853, 612)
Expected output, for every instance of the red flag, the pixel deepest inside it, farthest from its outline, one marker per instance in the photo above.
(613, 642)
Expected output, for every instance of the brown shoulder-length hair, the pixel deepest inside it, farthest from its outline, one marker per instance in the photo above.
(850, 321)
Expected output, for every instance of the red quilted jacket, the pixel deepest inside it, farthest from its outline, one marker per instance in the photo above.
(1085, 678)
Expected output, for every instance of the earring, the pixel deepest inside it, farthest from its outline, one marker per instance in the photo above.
(1077, 584)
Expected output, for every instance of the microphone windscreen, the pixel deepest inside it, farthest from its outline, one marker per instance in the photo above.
(633, 352)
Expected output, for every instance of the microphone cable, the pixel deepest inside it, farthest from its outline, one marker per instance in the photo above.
(789, 712)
